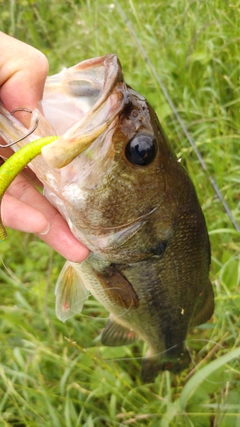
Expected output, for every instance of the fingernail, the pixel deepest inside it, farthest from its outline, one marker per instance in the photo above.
(45, 231)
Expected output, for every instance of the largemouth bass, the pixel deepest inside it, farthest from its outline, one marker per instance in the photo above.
(115, 179)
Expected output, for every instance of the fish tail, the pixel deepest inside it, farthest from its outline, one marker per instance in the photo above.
(154, 364)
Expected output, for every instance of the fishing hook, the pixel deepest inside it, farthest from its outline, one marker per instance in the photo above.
(29, 133)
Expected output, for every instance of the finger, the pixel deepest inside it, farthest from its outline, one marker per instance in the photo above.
(23, 71)
(58, 236)
(19, 216)
(62, 240)
(5, 153)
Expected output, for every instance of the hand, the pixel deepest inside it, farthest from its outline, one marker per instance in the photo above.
(23, 71)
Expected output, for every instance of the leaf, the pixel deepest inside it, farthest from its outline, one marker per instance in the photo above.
(192, 385)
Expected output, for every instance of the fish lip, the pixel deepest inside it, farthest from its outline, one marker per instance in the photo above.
(105, 74)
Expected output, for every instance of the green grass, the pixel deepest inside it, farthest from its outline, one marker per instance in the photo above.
(55, 374)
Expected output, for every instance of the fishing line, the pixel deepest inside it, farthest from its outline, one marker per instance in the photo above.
(174, 109)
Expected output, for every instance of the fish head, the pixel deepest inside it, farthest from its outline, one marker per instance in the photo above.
(115, 162)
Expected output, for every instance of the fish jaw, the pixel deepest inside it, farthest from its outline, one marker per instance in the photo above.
(80, 88)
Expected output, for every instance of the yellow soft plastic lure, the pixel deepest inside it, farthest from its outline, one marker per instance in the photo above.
(15, 164)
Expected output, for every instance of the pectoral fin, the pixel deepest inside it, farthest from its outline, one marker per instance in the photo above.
(115, 334)
(70, 292)
(118, 289)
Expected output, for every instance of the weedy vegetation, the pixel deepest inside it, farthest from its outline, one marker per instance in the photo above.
(55, 374)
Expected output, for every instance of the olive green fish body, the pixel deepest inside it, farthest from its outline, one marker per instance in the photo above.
(163, 256)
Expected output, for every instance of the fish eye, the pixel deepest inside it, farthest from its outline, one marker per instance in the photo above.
(141, 150)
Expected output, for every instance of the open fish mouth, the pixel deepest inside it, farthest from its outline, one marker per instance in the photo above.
(80, 103)
(75, 91)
